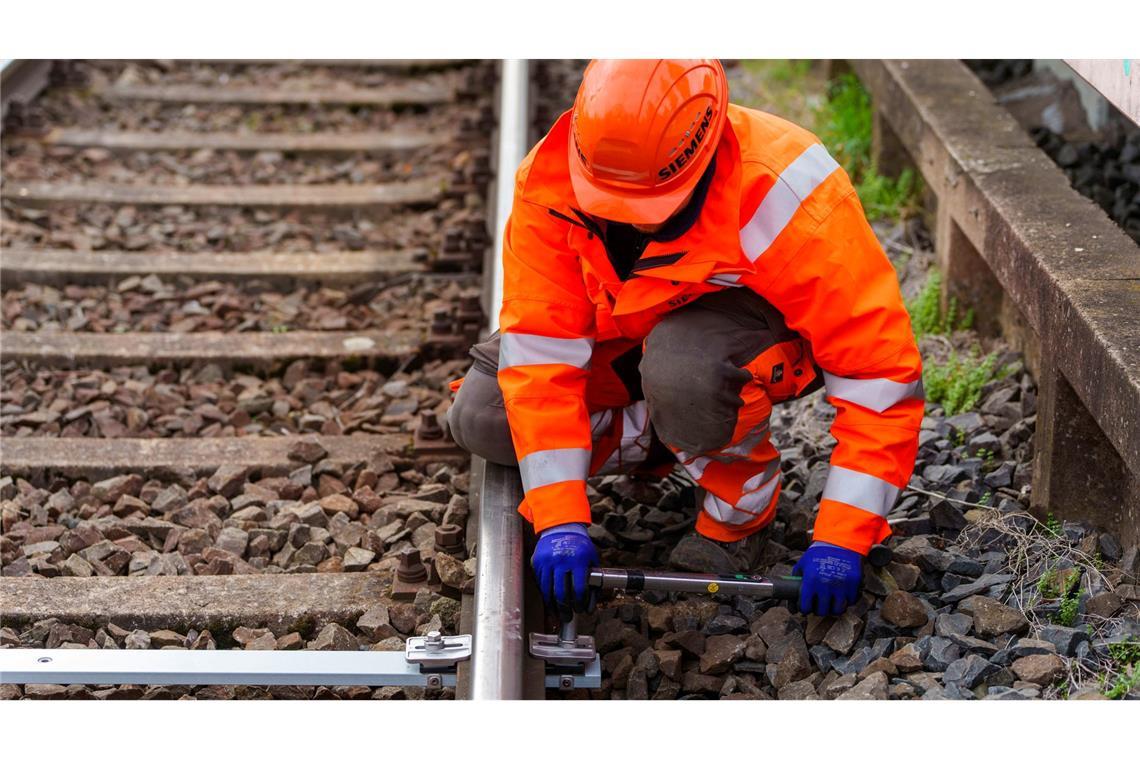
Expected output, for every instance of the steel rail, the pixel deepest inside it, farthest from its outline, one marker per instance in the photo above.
(499, 651)
(511, 149)
(499, 647)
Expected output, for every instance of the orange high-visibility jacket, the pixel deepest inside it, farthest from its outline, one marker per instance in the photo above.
(782, 218)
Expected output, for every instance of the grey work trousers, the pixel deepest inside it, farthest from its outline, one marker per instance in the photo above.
(695, 363)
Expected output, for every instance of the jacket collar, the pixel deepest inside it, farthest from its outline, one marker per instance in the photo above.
(711, 245)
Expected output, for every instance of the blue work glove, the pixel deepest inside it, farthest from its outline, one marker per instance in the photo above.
(831, 576)
(564, 552)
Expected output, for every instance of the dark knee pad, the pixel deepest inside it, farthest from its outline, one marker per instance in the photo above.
(690, 383)
(478, 419)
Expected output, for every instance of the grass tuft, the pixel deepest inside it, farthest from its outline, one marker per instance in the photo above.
(927, 316)
(956, 383)
(845, 128)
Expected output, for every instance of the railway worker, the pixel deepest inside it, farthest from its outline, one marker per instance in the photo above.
(674, 265)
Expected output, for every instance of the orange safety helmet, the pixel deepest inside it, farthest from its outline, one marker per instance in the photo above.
(642, 133)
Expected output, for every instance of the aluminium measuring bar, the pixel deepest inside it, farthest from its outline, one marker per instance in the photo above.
(253, 668)
(425, 661)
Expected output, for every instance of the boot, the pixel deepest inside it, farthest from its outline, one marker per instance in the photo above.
(698, 554)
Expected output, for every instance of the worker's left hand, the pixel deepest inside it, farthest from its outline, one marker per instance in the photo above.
(831, 576)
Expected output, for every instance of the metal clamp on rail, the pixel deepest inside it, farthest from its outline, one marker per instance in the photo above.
(571, 660)
(437, 654)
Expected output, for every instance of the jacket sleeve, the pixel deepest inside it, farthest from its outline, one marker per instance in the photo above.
(547, 338)
(840, 292)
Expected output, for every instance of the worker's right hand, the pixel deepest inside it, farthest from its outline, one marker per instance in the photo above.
(831, 576)
(562, 558)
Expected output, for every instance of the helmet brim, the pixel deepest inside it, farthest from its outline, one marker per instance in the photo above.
(617, 205)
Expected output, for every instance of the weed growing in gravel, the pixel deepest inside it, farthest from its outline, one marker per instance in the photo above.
(1045, 583)
(1047, 566)
(1067, 615)
(957, 383)
(886, 198)
(845, 124)
(1124, 683)
(1126, 655)
(927, 316)
(845, 128)
(1125, 652)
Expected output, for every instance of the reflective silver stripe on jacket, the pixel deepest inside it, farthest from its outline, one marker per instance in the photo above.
(861, 490)
(877, 394)
(522, 349)
(542, 468)
(794, 184)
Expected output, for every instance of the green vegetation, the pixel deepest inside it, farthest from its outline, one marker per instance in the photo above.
(956, 383)
(1063, 585)
(790, 89)
(927, 316)
(1054, 584)
(839, 111)
(1126, 655)
(1045, 583)
(886, 198)
(844, 125)
(1068, 612)
(1124, 683)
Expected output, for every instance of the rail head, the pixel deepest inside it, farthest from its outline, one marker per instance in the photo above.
(499, 654)
(511, 149)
